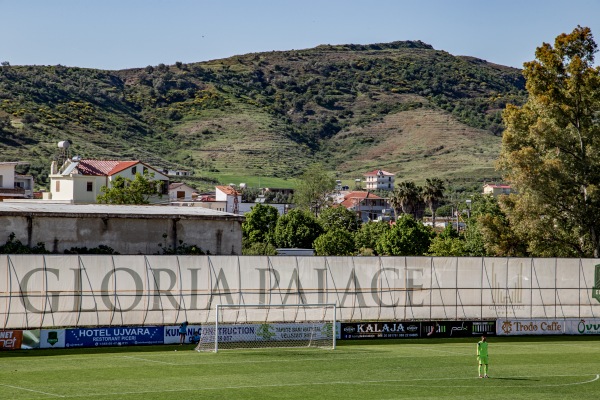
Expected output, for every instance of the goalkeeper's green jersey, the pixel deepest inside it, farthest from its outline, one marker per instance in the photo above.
(482, 349)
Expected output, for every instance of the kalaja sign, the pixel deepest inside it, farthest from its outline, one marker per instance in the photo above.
(380, 330)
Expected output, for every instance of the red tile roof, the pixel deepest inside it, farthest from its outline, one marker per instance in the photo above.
(103, 167)
(123, 165)
(228, 190)
(377, 172)
(351, 199)
(360, 195)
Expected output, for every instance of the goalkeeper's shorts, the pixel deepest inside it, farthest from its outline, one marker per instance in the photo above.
(482, 359)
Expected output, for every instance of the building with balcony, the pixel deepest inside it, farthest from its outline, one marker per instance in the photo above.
(379, 180)
(366, 205)
(13, 185)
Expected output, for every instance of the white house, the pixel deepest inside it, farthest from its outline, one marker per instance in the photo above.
(230, 196)
(497, 190)
(379, 180)
(179, 191)
(175, 172)
(79, 181)
(13, 185)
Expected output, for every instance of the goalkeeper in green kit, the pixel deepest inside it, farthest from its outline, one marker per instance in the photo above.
(482, 357)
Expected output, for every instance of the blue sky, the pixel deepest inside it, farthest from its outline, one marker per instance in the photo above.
(119, 34)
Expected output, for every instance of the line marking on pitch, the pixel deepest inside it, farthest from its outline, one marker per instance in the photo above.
(399, 381)
(288, 360)
(522, 386)
(438, 350)
(148, 360)
(31, 390)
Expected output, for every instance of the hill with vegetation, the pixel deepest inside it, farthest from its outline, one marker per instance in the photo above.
(403, 107)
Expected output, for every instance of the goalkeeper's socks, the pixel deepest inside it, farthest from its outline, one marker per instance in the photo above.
(480, 369)
(485, 369)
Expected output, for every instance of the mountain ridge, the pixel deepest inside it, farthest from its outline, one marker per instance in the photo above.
(401, 106)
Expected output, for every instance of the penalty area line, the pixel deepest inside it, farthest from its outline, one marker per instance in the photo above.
(534, 386)
(31, 390)
(147, 360)
(402, 382)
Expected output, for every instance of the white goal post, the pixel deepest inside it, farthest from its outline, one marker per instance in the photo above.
(254, 326)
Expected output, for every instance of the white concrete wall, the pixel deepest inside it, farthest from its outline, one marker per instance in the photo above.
(66, 191)
(125, 234)
(188, 191)
(81, 194)
(8, 176)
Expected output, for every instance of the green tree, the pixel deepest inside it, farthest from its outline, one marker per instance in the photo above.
(406, 198)
(365, 239)
(551, 150)
(259, 226)
(131, 191)
(407, 237)
(313, 189)
(489, 227)
(448, 244)
(433, 193)
(259, 249)
(338, 218)
(297, 229)
(335, 242)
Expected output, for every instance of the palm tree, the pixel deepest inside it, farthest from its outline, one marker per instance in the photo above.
(433, 192)
(406, 197)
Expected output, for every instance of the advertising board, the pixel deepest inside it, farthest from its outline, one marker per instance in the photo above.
(114, 336)
(11, 340)
(172, 333)
(514, 327)
(588, 326)
(48, 291)
(380, 330)
(271, 332)
(52, 338)
(448, 329)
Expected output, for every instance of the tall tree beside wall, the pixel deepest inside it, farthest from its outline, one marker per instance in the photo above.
(297, 229)
(313, 189)
(433, 194)
(130, 191)
(551, 150)
(408, 237)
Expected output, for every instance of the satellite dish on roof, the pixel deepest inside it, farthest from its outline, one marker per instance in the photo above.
(64, 144)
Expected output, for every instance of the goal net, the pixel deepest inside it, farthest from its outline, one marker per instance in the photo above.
(252, 326)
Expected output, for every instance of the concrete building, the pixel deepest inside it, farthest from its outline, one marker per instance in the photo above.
(379, 180)
(366, 205)
(179, 191)
(230, 196)
(79, 181)
(497, 190)
(126, 229)
(172, 172)
(13, 185)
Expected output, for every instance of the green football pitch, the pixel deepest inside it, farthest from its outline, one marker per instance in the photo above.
(526, 367)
